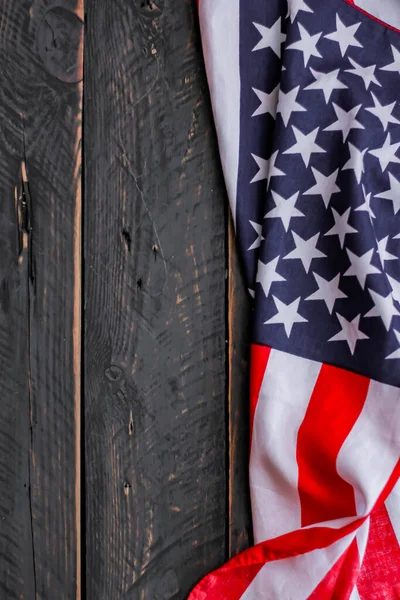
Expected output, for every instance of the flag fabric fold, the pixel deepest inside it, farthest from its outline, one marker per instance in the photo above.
(306, 101)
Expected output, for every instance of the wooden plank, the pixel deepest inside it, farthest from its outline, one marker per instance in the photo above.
(39, 316)
(239, 332)
(16, 551)
(155, 317)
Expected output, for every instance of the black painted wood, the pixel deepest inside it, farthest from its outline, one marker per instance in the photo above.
(16, 550)
(164, 353)
(39, 352)
(239, 338)
(155, 296)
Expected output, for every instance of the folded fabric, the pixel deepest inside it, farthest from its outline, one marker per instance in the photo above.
(306, 97)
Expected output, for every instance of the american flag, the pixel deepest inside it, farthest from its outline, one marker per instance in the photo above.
(306, 100)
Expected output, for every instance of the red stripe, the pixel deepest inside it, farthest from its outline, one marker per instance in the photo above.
(218, 587)
(380, 573)
(348, 574)
(335, 405)
(339, 583)
(258, 363)
(222, 584)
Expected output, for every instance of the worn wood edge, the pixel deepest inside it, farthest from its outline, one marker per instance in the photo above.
(230, 314)
(77, 321)
(239, 514)
(231, 403)
(77, 349)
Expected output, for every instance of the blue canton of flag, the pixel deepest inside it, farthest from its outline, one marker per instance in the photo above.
(318, 194)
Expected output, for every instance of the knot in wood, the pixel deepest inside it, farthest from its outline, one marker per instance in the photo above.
(169, 586)
(60, 43)
(114, 373)
(152, 8)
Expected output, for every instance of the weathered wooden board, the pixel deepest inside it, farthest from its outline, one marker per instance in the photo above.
(165, 346)
(239, 335)
(155, 298)
(39, 299)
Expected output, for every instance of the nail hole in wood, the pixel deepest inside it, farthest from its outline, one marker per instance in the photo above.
(127, 239)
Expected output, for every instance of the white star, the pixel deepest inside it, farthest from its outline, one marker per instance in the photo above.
(346, 120)
(287, 315)
(366, 207)
(251, 292)
(284, 209)
(269, 102)
(392, 194)
(295, 6)
(366, 73)
(325, 186)
(287, 104)
(327, 82)
(307, 44)
(356, 161)
(271, 37)
(350, 332)
(266, 168)
(361, 266)
(273, 171)
(395, 285)
(383, 253)
(384, 308)
(341, 227)
(267, 275)
(395, 65)
(305, 145)
(328, 291)
(387, 153)
(396, 353)
(305, 250)
(383, 112)
(258, 229)
(262, 169)
(344, 36)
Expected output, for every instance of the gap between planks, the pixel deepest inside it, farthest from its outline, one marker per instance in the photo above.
(77, 319)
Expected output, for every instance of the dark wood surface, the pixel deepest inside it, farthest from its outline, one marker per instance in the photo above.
(150, 380)
(155, 306)
(239, 329)
(40, 122)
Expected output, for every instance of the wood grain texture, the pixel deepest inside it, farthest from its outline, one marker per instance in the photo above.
(239, 332)
(155, 317)
(166, 341)
(40, 125)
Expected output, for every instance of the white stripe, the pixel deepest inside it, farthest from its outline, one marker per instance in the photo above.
(219, 20)
(297, 577)
(371, 450)
(355, 595)
(387, 11)
(393, 507)
(284, 396)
